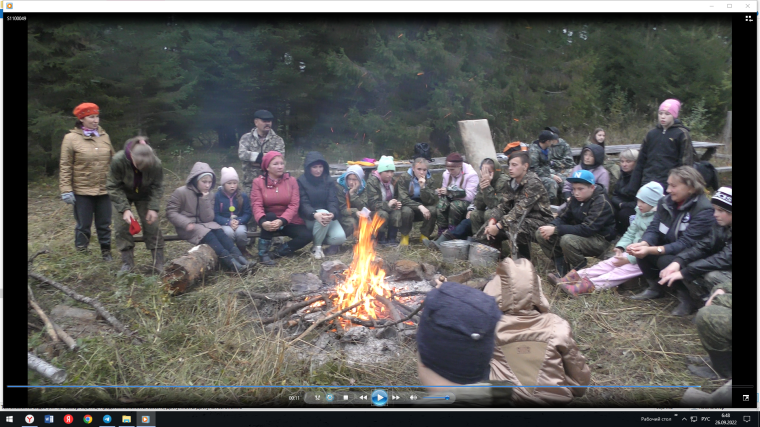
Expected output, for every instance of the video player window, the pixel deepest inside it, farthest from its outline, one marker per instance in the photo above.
(301, 209)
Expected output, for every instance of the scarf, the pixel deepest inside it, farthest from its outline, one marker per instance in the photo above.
(388, 187)
(90, 132)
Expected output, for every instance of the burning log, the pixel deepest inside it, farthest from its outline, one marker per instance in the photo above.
(188, 270)
(326, 319)
(45, 369)
(287, 310)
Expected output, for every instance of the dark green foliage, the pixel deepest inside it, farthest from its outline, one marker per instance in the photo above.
(378, 85)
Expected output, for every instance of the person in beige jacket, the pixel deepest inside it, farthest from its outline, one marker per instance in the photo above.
(533, 346)
(86, 154)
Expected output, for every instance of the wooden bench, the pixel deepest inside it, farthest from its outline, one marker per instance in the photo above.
(174, 237)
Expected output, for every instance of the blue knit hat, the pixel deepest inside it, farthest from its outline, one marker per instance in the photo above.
(457, 332)
(650, 193)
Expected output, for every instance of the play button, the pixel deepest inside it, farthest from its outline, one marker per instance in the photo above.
(379, 397)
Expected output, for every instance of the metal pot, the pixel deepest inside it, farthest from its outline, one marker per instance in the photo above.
(454, 250)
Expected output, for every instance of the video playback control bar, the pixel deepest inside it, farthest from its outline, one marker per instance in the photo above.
(378, 397)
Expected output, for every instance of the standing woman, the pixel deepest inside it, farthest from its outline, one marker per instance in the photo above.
(137, 177)
(623, 205)
(191, 211)
(274, 201)
(86, 153)
(319, 205)
(683, 218)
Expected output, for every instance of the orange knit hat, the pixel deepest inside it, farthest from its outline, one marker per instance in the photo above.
(86, 109)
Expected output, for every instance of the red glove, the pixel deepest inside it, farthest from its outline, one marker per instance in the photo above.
(134, 227)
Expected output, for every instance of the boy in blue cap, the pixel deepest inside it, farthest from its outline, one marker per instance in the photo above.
(585, 227)
(455, 342)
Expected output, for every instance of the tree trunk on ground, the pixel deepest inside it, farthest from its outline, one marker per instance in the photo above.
(45, 369)
(187, 270)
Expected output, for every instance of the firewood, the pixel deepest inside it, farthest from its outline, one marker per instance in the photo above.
(325, 319)
(287, 310)
(45, 369)
(48, 325)
(87, 300)
(65, 338)
(189, 269)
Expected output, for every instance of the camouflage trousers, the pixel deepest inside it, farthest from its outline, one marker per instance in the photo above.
(403, 219)
(350, 224)
(700, 287)
(152, 232)
(451, 212)
(714, 326)
(551, 189)
(525, 235)
(574, 248)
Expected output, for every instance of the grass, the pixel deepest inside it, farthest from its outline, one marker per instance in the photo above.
(211, 337)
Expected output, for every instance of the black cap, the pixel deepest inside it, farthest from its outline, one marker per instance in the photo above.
(422, 149)
(457, 331)
(547, 135)
(553, 129)
(263, 115)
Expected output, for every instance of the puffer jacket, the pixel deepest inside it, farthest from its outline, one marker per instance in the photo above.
(712, 253)
(123, 188)
(189, 206)
(661, 151)
(84, 163)
(533, 346)
(601, 175)
(618, 197)
(405, 187)
(635, 231)
(319, 192)
(491, 196)
(467, 181)
(679, 228)
(585, 219)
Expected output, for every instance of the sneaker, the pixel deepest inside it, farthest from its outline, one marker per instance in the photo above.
(318, 254)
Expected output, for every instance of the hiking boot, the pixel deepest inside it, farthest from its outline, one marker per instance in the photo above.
(227, 261)
(585, 286)
(128, 260)
(332, 250)
(686, 305)
(105, 253)
(264, 258)
(653, 292)
(158, 260)
(238, 256)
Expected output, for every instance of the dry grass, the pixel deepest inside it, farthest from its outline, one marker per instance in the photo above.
(209, 337)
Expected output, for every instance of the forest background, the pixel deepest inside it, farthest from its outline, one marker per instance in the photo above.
(362, 86)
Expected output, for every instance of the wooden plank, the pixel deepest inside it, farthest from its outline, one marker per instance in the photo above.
(723, 169)
(174, 237)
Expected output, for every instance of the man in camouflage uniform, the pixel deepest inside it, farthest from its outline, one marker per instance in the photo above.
(714, 326)
(255, 144)
(492, 187)
(525, 196)
(560, 155)
(540, 163)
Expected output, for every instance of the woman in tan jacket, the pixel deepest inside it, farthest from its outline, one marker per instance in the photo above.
(85, 158)
(533, 346)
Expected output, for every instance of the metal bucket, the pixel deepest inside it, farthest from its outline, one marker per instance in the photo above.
(483, 256)
(454, 250)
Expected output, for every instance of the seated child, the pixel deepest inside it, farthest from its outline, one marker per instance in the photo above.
(351, 198)
(585, 227)
(455, 340)
(622, 267)
(533, 346)
(232, 209)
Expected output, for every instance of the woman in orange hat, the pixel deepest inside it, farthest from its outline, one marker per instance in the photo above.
(85, 158)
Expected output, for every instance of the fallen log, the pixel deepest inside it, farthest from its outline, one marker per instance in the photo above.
(66, 338)
(48, 324)
(87, 300)
(45, 369)
(187, 270)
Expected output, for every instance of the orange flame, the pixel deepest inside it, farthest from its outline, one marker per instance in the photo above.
(364, 278)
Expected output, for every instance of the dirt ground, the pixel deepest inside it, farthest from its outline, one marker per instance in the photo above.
(209, 336)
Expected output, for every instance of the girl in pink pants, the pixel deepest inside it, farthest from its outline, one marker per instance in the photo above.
(622, 267)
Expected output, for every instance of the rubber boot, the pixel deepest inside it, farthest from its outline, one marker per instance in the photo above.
(264, 258)
(238, 256)
(128, 260)
(445, 237)
(404, 240)
(227, 261)
(284, 250)
(105, 252)
(158, 260)
(720, 366)
(392, 235)
(686, 305)
(653, 292)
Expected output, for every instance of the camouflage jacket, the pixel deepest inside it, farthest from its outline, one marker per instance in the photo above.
(539, 163)
(357, 201)
(375, 200)
(490, 197)
(530, 195)
(428, 197)
(560, 156)
(251, 145)
(121, 184)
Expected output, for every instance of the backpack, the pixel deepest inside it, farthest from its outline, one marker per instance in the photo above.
(708, 172)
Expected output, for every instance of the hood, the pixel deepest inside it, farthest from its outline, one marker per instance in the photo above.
(200, 168)
(517, 288)
(342, 181)
(598, 152)
(497, 170)
(314, 157)
(267, 158)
